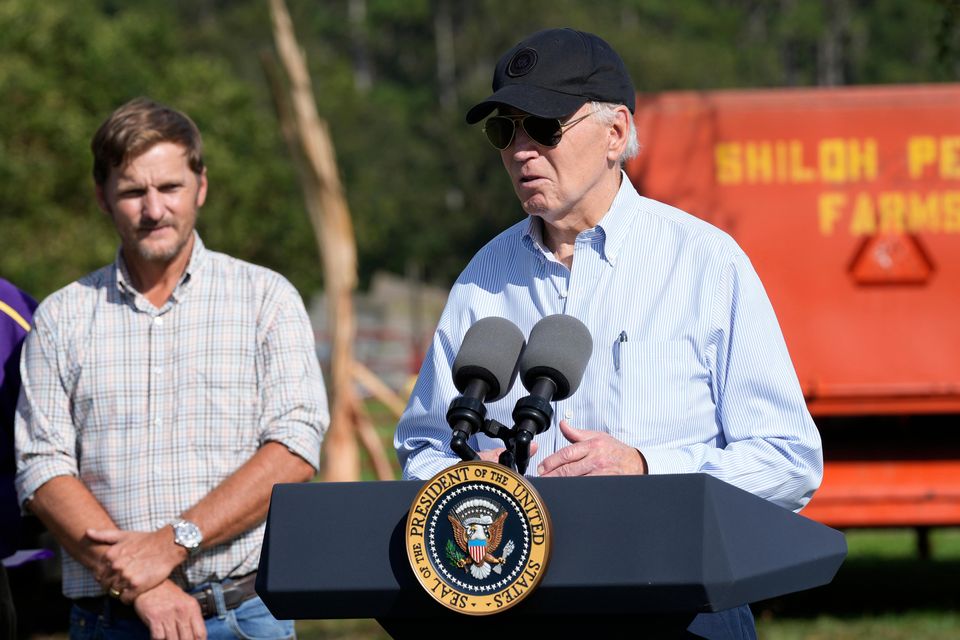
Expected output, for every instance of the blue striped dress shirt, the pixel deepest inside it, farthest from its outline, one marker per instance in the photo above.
(688, 365)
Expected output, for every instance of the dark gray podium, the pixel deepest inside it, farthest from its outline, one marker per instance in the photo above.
(659, 547)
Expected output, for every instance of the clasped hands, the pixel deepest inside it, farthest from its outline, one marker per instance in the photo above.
(135, 561)
(590, 453)
(135, 569)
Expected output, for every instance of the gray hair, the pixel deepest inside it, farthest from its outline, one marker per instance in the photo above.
(607, 113)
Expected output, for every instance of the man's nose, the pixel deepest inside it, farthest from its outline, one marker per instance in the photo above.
(152, 205)
(522, 143)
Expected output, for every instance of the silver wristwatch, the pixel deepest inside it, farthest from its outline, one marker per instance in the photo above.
(187, 535)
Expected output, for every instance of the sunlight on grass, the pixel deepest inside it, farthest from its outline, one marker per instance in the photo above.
(340, 630)
(932, 625)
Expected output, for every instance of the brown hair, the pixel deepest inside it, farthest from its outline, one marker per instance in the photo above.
(135, 127)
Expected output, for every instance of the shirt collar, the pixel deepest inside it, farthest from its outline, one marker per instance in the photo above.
(609, 234)
(618, 219)
(533, 237)
(197, 258)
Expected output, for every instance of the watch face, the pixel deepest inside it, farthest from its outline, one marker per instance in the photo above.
(187, 534)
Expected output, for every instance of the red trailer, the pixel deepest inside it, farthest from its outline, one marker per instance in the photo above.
(848, 203)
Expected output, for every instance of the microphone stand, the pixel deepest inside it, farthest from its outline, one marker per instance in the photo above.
(516, 439)
(532, 415)
(494, 429)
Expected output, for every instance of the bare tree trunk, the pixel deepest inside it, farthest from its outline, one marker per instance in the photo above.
(379, 389)
(334, 233)
(372, 444)
(309, 140)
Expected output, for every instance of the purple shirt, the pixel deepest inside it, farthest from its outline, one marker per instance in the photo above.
(16, 314)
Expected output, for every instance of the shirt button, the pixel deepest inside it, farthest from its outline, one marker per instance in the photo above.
(158, 422)
(568, 414)
(158, 321)
(157, 371)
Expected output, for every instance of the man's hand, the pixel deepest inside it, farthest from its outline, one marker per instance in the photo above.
(493, 455)
(170, 613)
(136, 562)
(592, 453)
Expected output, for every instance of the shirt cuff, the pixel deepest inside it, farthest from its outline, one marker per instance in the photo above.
(664, 461)
(428, 466)
(30, 479)
(305, 446)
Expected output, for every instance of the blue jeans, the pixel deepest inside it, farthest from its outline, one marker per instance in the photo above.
(250, 621)
(731, 623)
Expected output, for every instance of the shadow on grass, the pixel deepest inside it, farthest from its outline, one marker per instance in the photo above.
(874, 586)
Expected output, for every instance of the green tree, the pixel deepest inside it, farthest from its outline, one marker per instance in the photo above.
(64, 67)
(393, 78)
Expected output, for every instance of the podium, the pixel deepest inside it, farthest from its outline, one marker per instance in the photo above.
(661, 548)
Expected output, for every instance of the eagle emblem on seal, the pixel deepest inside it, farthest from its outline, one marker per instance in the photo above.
(478, 531)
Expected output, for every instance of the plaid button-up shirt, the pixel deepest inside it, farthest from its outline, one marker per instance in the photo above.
(153, 408)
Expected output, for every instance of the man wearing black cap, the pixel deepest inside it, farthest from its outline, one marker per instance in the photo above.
(689, 371)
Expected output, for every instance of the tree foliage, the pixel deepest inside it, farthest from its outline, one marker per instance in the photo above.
(65, 66)
(393, 78)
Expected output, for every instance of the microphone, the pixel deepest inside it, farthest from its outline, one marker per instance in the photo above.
(484, 371)
(551, 368)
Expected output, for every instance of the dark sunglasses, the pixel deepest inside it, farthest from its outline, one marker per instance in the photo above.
(546, 132)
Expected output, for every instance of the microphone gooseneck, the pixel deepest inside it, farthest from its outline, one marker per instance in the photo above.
(484, 371)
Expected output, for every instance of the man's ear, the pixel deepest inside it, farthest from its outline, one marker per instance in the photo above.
(202, 190)
(619, 132)
(100, 193)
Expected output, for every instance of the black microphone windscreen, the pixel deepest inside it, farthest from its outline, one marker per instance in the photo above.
(489, 351)
(559, 349)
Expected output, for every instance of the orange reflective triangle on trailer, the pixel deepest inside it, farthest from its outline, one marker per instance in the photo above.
(891, 259)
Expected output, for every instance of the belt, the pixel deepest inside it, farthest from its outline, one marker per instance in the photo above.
(235, 592)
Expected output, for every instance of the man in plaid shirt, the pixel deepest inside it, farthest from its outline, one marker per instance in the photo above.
(163, 396)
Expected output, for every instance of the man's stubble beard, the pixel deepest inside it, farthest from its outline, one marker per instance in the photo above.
(151, 254)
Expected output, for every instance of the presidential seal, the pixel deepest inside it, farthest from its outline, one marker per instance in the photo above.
(478, 538)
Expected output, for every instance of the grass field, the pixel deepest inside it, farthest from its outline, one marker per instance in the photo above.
(882, 592)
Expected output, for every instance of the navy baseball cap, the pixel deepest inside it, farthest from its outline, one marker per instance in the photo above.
(553, 73)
